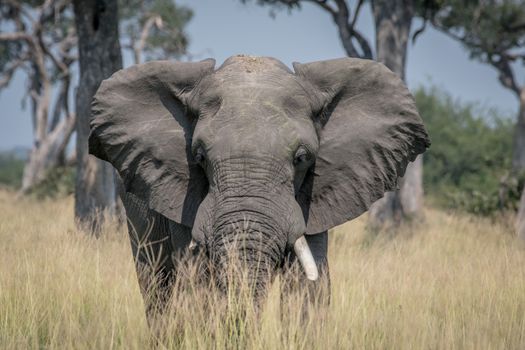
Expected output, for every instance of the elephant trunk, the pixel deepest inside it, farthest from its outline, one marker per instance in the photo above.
(255, 219)
(243, 255)
(247, 244)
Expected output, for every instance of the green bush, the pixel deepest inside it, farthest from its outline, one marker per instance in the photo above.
(470, 154)
(11, 170)
(59, 182)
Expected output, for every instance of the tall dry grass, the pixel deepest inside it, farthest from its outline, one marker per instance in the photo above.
(453, 283)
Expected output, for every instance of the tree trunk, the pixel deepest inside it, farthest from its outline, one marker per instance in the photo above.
(518, 158)
(520, 222)
(393, 19)
(99, 56)
(518, 162)
(50, 139)
(47, 154)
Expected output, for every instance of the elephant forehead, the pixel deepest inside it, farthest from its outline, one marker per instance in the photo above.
(242, 85)
(258, 130)
(251, 64)
(261, 110)
(261, 94)
(250, 73)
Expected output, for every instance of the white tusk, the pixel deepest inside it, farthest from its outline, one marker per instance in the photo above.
(193, 245)
(304, 254)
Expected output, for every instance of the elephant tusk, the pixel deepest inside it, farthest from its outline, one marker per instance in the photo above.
(193, 245)
(304, 254)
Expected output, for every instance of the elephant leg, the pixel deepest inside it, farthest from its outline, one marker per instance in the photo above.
(157, 244)
(294, 280)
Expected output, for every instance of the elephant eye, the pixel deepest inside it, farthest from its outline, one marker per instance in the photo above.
(199, 155)
(302, 156)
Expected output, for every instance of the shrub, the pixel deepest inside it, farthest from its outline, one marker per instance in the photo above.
(470, 154)
(59, 182)
(11, 170)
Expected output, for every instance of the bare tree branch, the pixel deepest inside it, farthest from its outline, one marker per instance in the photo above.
(513, 56)
(364, 44)
(451, 34)
(139, 47)
(502, 64)
(324, 5)
(21, 10)
(61, 103)
(419, 31)
(347, 31)
(506, 73)
(44, 47)
(341, 18)
(9, 72)
(16, 36)
(356, 13)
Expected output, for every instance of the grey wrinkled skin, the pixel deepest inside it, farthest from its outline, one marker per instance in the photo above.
(252, 152)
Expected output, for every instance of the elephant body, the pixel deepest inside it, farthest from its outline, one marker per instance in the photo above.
(251, 158)
(159, 244)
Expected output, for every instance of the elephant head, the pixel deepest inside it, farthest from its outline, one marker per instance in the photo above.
(254, 153)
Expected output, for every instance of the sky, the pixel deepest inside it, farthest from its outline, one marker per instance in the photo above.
(222, 28)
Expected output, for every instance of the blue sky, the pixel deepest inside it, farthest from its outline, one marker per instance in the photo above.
(221, 28)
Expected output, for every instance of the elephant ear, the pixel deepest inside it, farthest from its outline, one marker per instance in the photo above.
(141, 125)
(370, 130)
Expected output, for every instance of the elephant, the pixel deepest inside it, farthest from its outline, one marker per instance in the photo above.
(202, 150)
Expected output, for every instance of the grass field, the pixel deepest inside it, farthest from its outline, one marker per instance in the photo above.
(453, 283)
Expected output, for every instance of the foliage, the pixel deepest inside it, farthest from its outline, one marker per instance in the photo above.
(493, 31)
(344, 15)
(58, 182)
(276, 5)
(487, 28)
(38, 38)
(456, 285)
(8, 51)
(160, 22)
(470, 153)
(11, 170)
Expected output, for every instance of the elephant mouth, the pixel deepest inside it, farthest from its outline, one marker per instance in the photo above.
(301, 250)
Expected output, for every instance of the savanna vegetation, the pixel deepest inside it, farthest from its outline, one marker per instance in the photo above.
(455, 282)
(11, 170)
(453, 278)
(468, 166)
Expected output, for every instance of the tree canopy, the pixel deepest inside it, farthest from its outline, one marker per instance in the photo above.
(470, 153)
(39, 39)
(155, 28)
(493, 31)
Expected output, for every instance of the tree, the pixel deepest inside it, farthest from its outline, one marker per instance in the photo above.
(150, 27)
(471, 151)
(154, 28)
(354, 42)
(41, 44)
(99, 56)
(393, 19)
(493, 31)
(520, 221)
